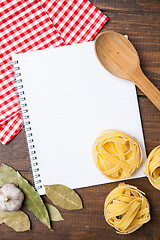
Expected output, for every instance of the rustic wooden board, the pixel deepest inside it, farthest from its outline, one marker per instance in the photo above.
(141, 21)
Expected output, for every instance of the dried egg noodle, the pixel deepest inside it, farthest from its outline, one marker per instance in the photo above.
(153, 167)
(116, 154)
(126, 209)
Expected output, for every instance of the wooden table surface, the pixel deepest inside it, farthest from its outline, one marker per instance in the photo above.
(140, 19)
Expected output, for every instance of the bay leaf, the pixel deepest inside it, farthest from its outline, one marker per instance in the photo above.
(54, 214)
(7, 175)
(17, 220)
(33, 201)
(63, 196)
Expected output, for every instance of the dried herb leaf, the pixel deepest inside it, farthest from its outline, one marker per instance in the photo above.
(1, 220)
(17, 220)
(63, 197)
(33, 201)
(54, 213)
(7, 175)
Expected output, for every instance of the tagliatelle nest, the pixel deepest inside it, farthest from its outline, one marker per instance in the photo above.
(126, 209)
(116, 154)
(153, 167)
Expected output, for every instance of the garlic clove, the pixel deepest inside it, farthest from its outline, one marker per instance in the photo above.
(13, 205)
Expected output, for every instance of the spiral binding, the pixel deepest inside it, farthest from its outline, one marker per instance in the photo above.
(27, 124)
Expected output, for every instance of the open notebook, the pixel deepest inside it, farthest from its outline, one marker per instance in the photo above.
(67, 99)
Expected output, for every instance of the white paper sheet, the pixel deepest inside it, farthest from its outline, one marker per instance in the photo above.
(71, 98)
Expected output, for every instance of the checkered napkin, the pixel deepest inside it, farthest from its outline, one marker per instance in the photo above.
(32, 25)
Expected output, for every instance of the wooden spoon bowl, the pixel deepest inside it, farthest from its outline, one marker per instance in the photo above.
(118, 56)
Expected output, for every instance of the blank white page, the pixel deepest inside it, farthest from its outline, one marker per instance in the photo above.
(71, 98)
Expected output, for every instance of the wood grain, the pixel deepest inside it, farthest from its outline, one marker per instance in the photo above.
(141, 21)
(118, 56)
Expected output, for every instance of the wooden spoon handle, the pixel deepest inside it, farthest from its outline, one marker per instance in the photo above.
(145, 85)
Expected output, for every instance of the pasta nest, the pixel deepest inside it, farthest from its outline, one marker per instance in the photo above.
(116, 154)
(153, 167)
(126, 209)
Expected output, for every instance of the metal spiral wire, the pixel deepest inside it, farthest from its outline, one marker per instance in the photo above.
(27, 124)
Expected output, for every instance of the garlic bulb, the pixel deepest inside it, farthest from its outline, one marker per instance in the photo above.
(11, 198)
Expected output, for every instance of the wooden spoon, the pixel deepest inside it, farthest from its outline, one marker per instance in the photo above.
(119, 57)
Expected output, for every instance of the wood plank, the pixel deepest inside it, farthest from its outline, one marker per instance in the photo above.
(89, 223)
(143, 6)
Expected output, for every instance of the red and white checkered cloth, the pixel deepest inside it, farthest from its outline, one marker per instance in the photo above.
(76, 20)
(32, 25)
